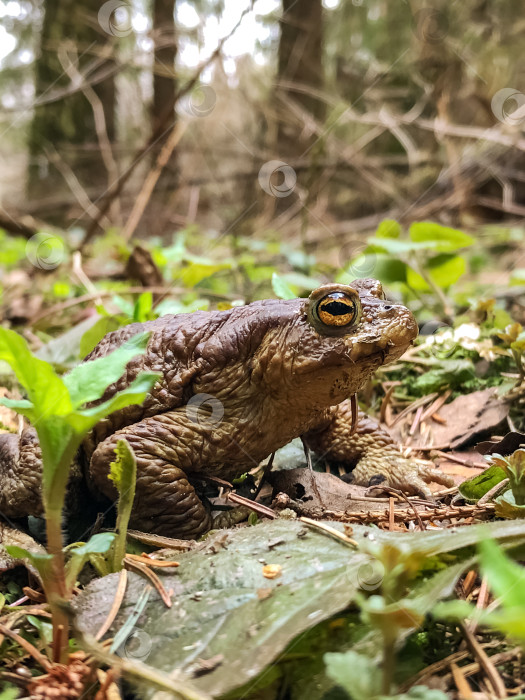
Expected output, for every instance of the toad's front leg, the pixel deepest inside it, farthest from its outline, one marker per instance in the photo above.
(166, 447)
(371, 452)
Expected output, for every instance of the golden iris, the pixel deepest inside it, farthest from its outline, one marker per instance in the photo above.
(333, 309)
(337, 309)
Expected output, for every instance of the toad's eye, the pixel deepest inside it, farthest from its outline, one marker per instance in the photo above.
(336, 309)
(335, 312)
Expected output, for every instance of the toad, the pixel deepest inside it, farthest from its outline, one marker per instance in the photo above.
(237, 385)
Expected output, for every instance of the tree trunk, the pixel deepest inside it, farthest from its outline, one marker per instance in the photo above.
(164, 76)
(163, 109)
(300, 74)
(62, 131)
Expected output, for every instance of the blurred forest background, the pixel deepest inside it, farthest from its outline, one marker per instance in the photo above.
(270, 130)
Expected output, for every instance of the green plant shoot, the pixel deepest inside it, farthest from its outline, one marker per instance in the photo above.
(56, 406)
(123, 473)
(506, 580)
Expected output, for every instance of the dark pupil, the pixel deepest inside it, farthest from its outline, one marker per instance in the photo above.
(337, 308)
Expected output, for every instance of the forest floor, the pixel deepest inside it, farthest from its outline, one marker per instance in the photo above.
(339, 591)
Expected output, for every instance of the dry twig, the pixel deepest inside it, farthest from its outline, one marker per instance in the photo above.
(115, 606)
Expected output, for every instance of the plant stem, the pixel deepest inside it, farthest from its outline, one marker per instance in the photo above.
(54, 547)
(388, 664)
(55, 587)
(518, 359)
(447, 310)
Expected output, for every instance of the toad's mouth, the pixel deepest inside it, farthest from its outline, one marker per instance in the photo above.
(385, 355)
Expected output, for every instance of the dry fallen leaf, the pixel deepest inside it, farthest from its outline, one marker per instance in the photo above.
(503, 446)
(466, 418)
(317, 489)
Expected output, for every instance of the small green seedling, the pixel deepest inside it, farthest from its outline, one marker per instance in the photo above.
(58, 409)
(506, 580)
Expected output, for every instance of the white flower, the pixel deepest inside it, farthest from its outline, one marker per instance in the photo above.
(466, 335)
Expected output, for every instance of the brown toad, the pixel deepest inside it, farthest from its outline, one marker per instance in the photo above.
(237, 385)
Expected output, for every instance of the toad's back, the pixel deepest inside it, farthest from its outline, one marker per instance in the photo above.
(235, 385)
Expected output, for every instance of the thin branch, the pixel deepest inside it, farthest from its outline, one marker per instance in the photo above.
(151, 180)
(484, 661)
(82, 197)
(27, 646)
(106, 150)
(69, 303)
(117, 187)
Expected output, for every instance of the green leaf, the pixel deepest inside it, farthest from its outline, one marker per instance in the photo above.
(442, 238)
(13, 249)
(123, 473)
(390, 617)
(505, 577)
(473, 489)
(506, 506)
(124, 305)
(21, 406)
(389, 271)
(9, 694)
(452, 373)
(363, 684)
(135, 393)
(61, 290)
(196, 272)
(44, 628)
(281, 289)
(94, 335)
(63, 351)
(57, 439)
(382, 267)
(516, 473)
(455, 610)
(40, 560)
(394, 247)
(517, 277)
(143, 309)
(510, 621)
(519, 343)
(320, 577)
(89, 380)
(506, 580)
(444, 270)
(388, 229)
(98, 544)
(299, 281)
(46, 390)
